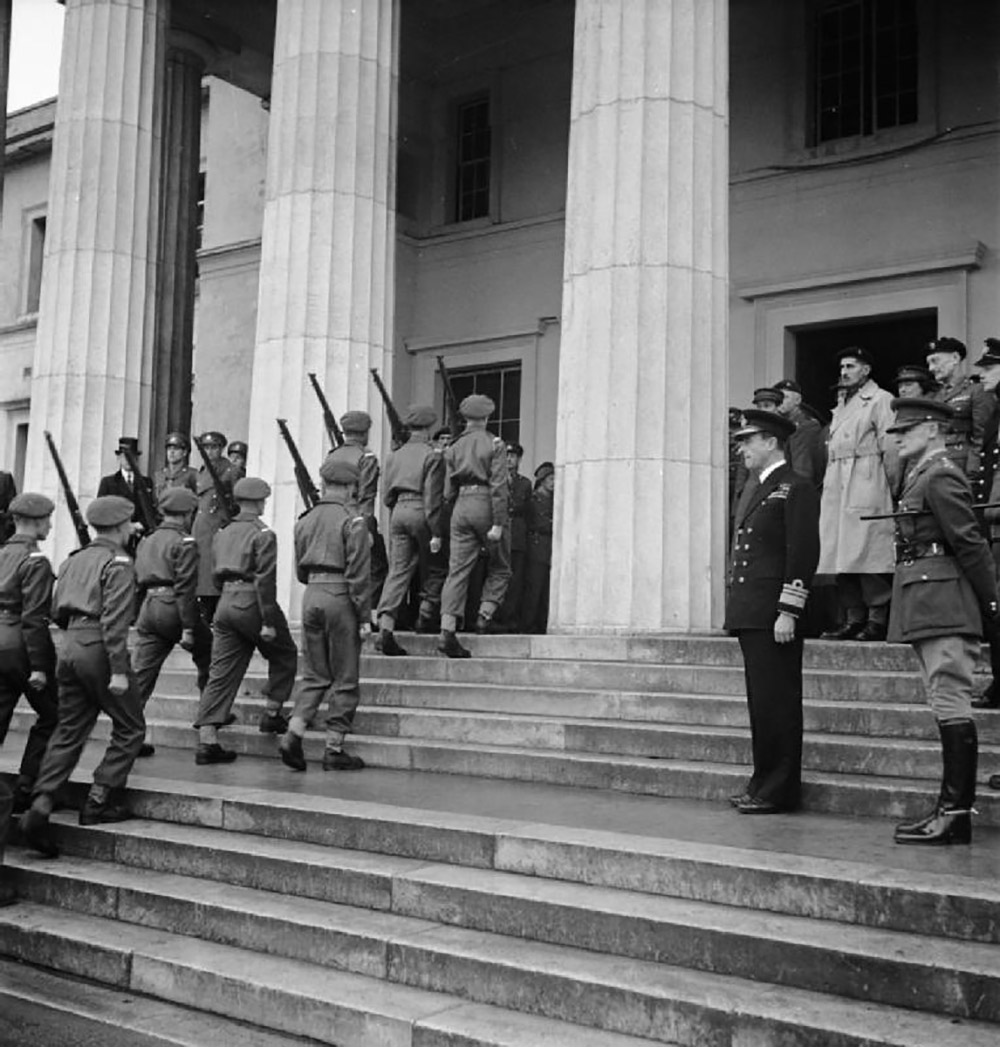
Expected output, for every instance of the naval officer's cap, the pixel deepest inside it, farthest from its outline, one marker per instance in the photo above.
(768, 423)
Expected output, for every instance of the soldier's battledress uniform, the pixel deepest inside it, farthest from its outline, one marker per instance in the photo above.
(534, 616)
(246, 558)
(521, 490)
(174, 476)
(964, 437)
(214, 513)
(26, 645)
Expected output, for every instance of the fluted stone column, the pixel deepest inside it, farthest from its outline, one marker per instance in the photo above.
(328, 241)
(93, 353)
(641, 435)
(171, 395)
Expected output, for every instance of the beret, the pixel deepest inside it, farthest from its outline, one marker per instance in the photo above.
(128, 443)
(251, 489)
(476, 406)
(336, 470)
(178, 438)
(790, 384)
(178, 500)
(767, 395)
(109, 510)
(946, 345)
(356, 421)
(855, 352)
(213, 436)
(992, 355)
(238, 447)
(420, 416)
(32, 506)
(770, 423)
(912, 410)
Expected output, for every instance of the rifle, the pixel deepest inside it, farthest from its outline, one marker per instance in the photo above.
(308, 490)
(400, 434)
(143, 501)
(82, 534)
(905, 514)
(332, 429)
(224, 496)
(450, 400)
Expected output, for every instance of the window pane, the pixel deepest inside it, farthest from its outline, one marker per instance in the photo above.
(472, 177)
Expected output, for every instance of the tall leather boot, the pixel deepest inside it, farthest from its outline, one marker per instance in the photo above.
(990, 698)
(854, 622)
(951, 819)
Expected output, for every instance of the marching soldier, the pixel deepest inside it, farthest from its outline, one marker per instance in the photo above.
(332, 554)
(967, 399)
(247, 617)
(166, 567)
(944, 587)
(215, 510)
(95, 603)
(27, 654)
(414, 489)
(177, 472)
(477, 479)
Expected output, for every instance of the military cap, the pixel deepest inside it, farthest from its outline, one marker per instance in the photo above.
(992, 355)
(767, 395)
(128, 443)
(513, 448)
(790, 384)
(770, 423)
(213, 436)
(356, 421)
(443, 431)
(109, 510)
(912, 410)
(476, 406)
(420, 416)
(916, 373)
(946, 345)
(545, 469)
(32, 506)
(178, 500)
(855, 352)
(178, 440)
(251, 489)
(338, 471)
(238, 447)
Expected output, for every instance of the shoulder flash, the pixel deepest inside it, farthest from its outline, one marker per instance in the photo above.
(264, 529)
(36, 555)
(122, 559)
(190, 539)
(368, 453)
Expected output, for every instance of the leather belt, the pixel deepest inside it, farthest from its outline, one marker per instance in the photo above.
(473, 488)
(159, 590)
(237, 583)
(908, 554)
(329, 574)
(409, 496)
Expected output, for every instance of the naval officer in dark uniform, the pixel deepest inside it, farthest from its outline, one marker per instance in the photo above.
(775, 551)
(943, 589)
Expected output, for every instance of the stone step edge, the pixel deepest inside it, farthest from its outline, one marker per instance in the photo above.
(171, 966)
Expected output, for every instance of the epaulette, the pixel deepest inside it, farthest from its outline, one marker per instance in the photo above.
(359, 520)
(190, 538)
(367, 453)
(36, 553)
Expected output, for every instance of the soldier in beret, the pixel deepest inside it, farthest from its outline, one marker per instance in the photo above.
(477, 480)
(27, 655)
(245, 557)
(166, 567)
(775, 550)
(989, 491)
(967, 399)
(332, 554)
(414, 491)
(806, 446)
(215, 510)
(177, 472)
(943, 590)
(95, 599)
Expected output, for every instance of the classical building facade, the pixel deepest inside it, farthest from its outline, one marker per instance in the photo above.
(616, 216)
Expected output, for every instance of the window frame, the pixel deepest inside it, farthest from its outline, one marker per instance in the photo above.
(32, 264)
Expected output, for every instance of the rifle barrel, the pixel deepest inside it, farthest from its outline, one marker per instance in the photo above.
(79, 524)
(307, 489)
(333, 430)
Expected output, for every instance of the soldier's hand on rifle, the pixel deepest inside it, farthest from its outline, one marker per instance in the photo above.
(435, 545)
(187, 639)
(118, 684)
(268, 632)
(495, 533)
(37, 680)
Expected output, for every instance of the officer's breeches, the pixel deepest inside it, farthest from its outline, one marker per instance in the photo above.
(947, 663)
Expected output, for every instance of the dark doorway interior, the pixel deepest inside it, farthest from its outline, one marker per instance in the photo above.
(892, 340)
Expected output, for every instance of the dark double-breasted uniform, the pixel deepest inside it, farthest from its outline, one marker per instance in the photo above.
(94, 602)
(26, 647)
(245, 556)
(775, 551)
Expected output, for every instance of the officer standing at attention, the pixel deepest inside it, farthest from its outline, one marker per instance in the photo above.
(775, 551)
(477, 479)
(27, 654)
(237, 455)
(215, 510)
(967, 399)
(414, 491)
(248, 617)
(94, 602)
(521, 490)
(166, 567)
(989, 491)
(177, 472)
(332, 554)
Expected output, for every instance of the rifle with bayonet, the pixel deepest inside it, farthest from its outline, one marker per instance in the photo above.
(400, 434)
(143, 492)
(333, 431)
(450, 400)
(308, 490)
(906, 514)
(221, 492)
(79, 524)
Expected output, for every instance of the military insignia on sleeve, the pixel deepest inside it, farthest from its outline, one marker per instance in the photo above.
(793, 596)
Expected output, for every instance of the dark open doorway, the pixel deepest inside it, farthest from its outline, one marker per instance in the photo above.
(892, 340)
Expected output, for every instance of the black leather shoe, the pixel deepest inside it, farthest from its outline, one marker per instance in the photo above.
(213, 754)
(487, 626)
(754, 805)
(341, 761)
(846, 632)
(103, 813)
(291, 752)
(737, 798)
(940, 827)
(450, 646)
(273, 723)
(994, 782)
(872, 632)
(36, 832)
(388, 644)
(146, 749)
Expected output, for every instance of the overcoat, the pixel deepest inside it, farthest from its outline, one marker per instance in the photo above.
(862, 474)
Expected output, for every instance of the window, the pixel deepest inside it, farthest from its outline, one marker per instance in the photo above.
(502, 384)
(865, 67)
(20, 453)
(36, 252)
(200, 212)
(472, 176)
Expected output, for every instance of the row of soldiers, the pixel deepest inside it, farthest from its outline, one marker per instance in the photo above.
(96, 593)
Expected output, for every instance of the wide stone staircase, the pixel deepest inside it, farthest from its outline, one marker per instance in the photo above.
(530, 860)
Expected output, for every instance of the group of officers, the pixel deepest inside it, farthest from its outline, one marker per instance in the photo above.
(918, 467)
(204, 577)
